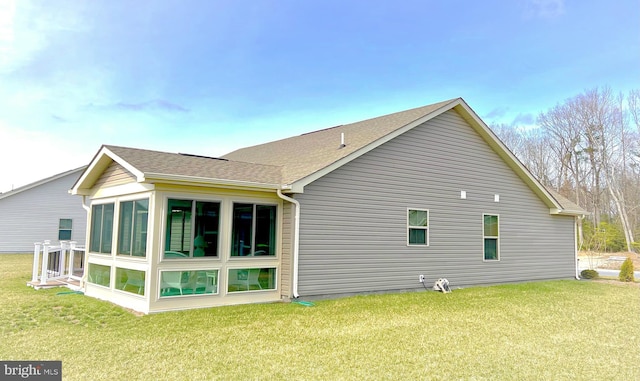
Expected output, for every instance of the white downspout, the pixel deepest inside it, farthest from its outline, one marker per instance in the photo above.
(575, 244)
(85, 273)
(296, 236)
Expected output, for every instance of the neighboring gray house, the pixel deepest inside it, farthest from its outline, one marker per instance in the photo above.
(43, 210)
(363, 207)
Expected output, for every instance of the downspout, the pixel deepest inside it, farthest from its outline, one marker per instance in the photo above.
(85, 274)
(575, 245)
(296, 236)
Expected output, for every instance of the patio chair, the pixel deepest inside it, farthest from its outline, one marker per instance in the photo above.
(174, 279)
(248, 278)
(134, 279)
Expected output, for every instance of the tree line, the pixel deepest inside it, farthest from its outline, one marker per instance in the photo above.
(587, 149)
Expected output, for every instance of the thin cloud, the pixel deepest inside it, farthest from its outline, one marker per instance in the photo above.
(158, 104)
(545, 9)
(496, 113)
(527, 119)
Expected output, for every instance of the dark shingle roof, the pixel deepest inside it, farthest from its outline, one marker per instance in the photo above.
(305, 154)
(163, 164)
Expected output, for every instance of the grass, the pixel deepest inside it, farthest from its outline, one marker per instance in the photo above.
(559, 330)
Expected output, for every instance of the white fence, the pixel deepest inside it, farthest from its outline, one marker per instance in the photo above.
(61, 262)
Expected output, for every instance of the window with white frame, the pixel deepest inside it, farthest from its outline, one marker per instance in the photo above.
(491, 235)
(64, 229)
(418, 227)
(101, 228)
(253, 231)
(191, 282)
(251, 279)
(192, 229)
(132, 228)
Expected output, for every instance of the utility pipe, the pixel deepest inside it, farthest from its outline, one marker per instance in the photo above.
(296, 236)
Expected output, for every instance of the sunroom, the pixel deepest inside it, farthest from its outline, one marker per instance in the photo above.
(170, 244)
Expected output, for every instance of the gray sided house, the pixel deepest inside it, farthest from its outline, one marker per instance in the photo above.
(43, 210)
(363, 207)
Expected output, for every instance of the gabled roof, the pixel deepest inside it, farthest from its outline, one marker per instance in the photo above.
(41, 182)
(308, 154)
(155, 166)
(290, 164)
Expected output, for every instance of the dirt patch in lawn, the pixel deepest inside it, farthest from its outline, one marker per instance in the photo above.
(635, 284)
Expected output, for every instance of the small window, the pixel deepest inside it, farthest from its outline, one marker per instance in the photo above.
(64, 229)
(256, 279)
(129, 280)
(491, 237)
(418, 227)
(100, 274)
(195, 282)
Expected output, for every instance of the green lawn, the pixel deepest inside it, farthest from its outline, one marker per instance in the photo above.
(562, 330)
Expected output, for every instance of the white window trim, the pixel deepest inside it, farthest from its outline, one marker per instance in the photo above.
(253, 258)
(194, 200)
(489, 236)
(205, 269)
(427, 228)
(232, 268)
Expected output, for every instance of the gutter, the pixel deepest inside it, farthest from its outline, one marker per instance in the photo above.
(296, 237)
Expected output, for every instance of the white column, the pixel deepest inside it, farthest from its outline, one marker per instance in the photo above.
(72, 247)
(36, 262)
(45, 260)
(64, 247)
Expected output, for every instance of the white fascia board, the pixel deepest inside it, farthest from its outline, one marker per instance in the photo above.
(205, 181)
(100, 162)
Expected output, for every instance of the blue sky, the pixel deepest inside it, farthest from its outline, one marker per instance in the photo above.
(208, 77)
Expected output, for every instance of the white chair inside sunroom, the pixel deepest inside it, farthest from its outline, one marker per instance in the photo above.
(248, 278)
(175, 280)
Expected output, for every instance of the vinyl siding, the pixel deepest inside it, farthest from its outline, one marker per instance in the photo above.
(33, 215)
(115, 174)
(354, 220)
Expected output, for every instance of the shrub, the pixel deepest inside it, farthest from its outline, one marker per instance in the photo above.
(589, 274)
(626, 271)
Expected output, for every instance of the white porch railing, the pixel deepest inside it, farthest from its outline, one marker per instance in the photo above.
(59, 262)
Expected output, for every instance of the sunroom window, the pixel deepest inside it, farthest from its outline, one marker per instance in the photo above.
(101, 228)
(192, 229)
(254, 230)
(132, 232)
(194, 282)
(255, 279)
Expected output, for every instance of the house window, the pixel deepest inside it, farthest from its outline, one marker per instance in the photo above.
(418, 227)
(101, 228)
(192, 229)
(254, 279)
(99, 274)
(64, 229)
(130, 280)
(491, 237)
(254, 230)
(132, 231)
(180, 283)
